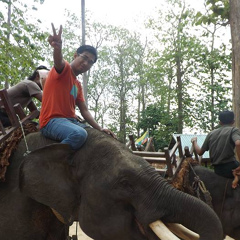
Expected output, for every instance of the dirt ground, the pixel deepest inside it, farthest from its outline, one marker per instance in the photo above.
(82, 236)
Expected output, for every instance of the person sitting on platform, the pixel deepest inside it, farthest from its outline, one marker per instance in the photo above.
(23, 92)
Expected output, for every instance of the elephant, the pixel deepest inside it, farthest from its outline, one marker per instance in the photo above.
(113, 193)
(224, 199)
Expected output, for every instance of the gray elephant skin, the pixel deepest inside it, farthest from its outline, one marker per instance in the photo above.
(113, 193)
(225, 199)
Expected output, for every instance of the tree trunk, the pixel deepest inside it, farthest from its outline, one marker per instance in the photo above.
(235, 29)
(8, 36)
(85, 77)
(179, 97)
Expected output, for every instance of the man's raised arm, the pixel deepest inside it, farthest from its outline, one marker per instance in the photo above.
(55, 41)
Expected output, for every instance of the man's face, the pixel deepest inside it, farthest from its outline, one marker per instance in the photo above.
(82, 62)
(41, 77)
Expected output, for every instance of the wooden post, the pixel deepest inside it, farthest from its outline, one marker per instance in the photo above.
(168, 161)
(180, 147)
(9, 108)
(150, 146)
(131, 139)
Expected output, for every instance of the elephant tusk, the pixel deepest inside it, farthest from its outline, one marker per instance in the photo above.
(162, 231)
(182, 231)
(59, 216)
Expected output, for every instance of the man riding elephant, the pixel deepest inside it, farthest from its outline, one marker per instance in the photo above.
(63, 92)
(113, 193)
(221, 144)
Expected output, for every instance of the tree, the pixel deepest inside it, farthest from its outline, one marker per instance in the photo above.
(116, 75)
(99, 85)
(160, 124)
(226, 12)
(215, 67)
(177, 62)
(235, 30)
(20, 43)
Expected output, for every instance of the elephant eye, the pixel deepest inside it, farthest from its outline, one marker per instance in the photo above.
(124, 184)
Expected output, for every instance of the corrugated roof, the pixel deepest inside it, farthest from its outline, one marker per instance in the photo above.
(186, 141)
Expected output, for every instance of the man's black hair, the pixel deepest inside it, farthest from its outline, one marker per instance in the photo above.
(226, 117)
(33, 76)
(88, 48)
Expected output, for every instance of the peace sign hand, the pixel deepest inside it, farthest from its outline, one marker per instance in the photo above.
(55, 40)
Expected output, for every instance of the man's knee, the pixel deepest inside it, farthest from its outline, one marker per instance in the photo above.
(76, 139)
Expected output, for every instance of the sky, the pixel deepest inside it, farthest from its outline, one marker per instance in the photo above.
(112, 11)
(127, 13)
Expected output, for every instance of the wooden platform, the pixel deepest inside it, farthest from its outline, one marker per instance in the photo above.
(167, 162)
(16, 115)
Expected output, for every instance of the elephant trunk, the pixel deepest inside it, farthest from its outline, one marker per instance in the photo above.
(163, 202)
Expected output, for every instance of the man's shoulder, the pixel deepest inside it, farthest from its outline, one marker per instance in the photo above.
(30, 83)
(67, 65)
(224, 131)
(66, 70)
(218, 131)
(31, 86)
(235, 130)
(20, 85)
(22, 82)
(223, 128)
(27, 82)
(214, 131)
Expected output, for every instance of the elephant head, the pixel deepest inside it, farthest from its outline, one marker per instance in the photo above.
(113, 193)
(225, 199)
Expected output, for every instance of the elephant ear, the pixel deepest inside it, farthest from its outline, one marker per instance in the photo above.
(47, 177)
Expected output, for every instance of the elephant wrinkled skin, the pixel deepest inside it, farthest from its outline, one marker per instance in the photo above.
(225, 199)
(114, 194)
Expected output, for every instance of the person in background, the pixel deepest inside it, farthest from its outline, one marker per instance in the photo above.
(63, 92)
(23, 92)
(222, 144)
(43, 73)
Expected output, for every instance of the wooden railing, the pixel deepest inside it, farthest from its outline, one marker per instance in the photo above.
(167, 158)
(200, 159)
(12, 112)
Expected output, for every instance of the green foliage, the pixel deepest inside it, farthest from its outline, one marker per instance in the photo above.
(71, 35)
(161, 125)
(116, 72)
(177, 62)
(214, 89)
(218, 12)
(177, 77)
(219, 8)
(20, 44)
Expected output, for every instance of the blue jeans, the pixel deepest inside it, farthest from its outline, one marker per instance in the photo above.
(66, 130)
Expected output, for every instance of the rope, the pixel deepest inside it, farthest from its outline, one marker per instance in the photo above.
(199, 185)
(24, 137)
(10, 144)
(224, 197)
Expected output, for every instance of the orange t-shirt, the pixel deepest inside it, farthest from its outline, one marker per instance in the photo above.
(61, 91)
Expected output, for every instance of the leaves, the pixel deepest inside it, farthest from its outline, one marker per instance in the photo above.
(175, 78)
(19, 44)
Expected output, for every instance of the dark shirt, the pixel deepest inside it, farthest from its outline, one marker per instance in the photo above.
(221, 144)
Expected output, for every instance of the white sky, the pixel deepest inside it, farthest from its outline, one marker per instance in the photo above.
(115, 12)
